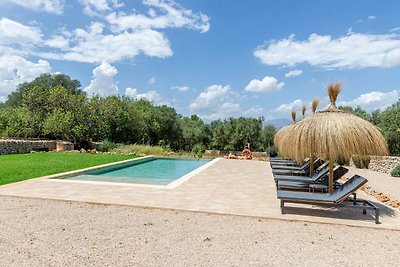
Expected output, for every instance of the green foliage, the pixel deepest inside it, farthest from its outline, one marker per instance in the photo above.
(272, 151)
(194, 131)
(19, 167)
(52, 106)
(16, 122)
(57, 125)
(234, 133)
(198, 150)
(141, 150)
(45, 82)
(390, 125)
(396, 171)
(361, 162)
(107, 146)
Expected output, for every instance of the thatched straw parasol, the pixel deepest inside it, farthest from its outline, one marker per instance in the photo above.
(282, 134)
(335, 134)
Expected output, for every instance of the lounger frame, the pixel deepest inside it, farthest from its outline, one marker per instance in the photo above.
(366, 205)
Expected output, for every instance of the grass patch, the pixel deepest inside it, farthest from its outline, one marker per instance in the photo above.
(143, 150)
(19, 167)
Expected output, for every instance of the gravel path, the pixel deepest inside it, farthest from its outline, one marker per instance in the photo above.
(36, 232)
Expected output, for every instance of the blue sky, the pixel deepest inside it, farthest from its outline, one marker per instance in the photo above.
(213, 58)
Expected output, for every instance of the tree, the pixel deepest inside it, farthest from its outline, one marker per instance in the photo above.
(390, 125)
(16, 122)
(194, 131)
(59, 125)
(45, 82)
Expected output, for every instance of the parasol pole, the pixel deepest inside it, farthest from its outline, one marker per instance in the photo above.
(331, 164)
(312, 163)
(314, 105)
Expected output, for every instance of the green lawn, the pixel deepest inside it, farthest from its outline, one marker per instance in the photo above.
(19, 167)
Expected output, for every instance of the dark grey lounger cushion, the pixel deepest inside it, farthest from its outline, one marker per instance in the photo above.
(337, 174)
(314, 178)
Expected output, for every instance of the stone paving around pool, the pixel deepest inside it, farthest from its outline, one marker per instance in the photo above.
(233, 187)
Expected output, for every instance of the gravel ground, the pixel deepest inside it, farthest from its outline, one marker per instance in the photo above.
(36, 232)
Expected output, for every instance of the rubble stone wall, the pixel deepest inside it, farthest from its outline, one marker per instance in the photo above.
(21, 146)
(383, 164)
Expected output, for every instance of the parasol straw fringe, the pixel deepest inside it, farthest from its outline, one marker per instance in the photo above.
(294, 116)
(314, 105)
(303, 110)
(333, 92)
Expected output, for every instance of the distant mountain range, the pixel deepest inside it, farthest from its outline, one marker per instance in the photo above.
(278, 123)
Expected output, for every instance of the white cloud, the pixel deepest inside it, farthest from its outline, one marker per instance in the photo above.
(15, 33)
(255, 111)
(92, 46)
(371, 17)
(95, 7)
(293, 73)
(57, 42)
(287, 108)
(152, 80)
(180, 88)
(15, 70)
(49, 6)
(131, 92)
(226, 110)
(151, 95)
(354, 50)
(395, 29)
(109, 41)
(210, 98)
(102, 82)
(215, 103)
(266, 85)
(373, 100)
(170, 15)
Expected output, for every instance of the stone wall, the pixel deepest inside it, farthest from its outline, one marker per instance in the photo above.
(21, 146)
(383, 164)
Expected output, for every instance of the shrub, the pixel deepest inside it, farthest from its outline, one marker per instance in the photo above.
(198, 150)
(361, 162)
(107, 146)
(141, 150)
(272, 152)
(342, 162)
(396, 171)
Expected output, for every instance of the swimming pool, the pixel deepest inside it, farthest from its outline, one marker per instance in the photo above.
(153, 171)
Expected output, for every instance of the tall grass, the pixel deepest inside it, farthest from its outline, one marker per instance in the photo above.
(141, 150)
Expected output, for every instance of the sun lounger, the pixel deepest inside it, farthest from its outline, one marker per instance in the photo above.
(303, 183)
(337, 197)
(318, 175)
(304, 170)
(296, 168)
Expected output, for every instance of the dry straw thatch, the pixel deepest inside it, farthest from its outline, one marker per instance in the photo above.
(303, 111)
(283, 133)
(333, 134)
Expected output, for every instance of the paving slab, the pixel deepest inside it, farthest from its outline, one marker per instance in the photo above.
(235, 187)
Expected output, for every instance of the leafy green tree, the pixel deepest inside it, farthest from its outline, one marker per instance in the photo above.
(390, 125)
(194, 131)
(266, 140)
(58, 125)
(45, 82)
(16, 122)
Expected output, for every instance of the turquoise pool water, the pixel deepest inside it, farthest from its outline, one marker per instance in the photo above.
(156, 171)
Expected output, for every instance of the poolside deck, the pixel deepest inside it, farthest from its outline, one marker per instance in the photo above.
(232, 187)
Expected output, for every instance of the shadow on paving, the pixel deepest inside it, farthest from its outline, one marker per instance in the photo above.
(340, 212)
